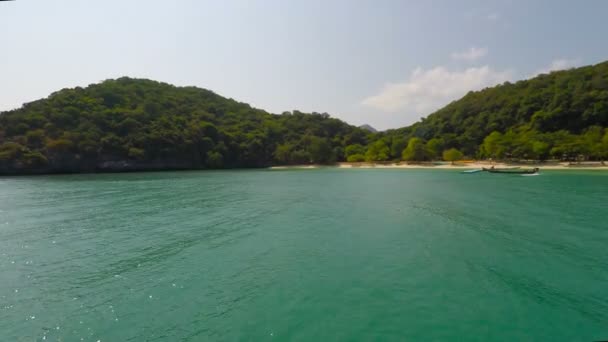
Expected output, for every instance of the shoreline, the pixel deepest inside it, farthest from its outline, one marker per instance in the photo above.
(461, 166)
(447, 166)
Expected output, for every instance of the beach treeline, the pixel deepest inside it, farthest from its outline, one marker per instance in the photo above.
(138, 124)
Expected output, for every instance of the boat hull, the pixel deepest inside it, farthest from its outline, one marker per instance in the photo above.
(513, 171)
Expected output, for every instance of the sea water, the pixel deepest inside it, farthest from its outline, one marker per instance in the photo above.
(309, 255)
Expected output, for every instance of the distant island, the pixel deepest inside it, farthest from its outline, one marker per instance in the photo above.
(369, 128)
(135, 124)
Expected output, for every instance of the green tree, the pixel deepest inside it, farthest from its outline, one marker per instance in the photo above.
(566, 146)
(11, 151)
(355, 149)
(540, 150)
(604, 147)
(377, 151)
(282, 154)
(35, 138)
(300, 157)
(397, 145)
(136, 153)
(415, 150)
(34, 160)
(111, 144)
(434, 147)
(452, 155)
(356, 158)
(60, 145)
(592, 141)
(321, 151)
(215, 160)
(492, 146)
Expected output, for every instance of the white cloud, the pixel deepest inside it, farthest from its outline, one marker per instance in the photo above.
(429, 90)
(470, 55)
(559, 64)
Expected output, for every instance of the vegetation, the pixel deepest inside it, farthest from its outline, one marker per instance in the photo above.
(133, 124)
(141, 124)
(452, 155)
(377, 151)
(415, 150)
(561, 115)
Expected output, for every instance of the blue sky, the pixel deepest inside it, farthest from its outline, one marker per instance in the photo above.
(386, 63)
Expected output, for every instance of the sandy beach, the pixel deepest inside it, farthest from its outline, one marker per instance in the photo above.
(460, 165)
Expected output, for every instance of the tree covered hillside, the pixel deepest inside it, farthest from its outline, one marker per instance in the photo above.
(140, 124)
(558, 115)
(134, 124)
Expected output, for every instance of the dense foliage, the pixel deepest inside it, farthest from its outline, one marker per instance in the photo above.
(560, 115)
(141, 124)
(132, 124)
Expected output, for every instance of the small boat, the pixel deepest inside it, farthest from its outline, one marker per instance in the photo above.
(513, 171)
(472, 171)
(503, 168)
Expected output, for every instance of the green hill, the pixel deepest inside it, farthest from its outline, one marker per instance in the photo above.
(561, 115)
(133, 124)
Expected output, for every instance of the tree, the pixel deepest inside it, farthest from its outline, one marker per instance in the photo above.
(604, 147)
(338, 153)
(282, 154)
(136, 153)
(33, 160)
(378, 151)
(592, 141)
(452, 155)
(320, 151)
(356, 158)
(35, 138)
(111, 144)
(355, 149)
(60, 145)
(215, 160)
(300, 157)
(434, 147)
(540, 149)
(492, 146)
(11, 151)
(415, 150)
(397, 146)
(565, 146)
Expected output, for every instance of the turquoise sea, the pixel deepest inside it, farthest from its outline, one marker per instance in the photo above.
(309, 255)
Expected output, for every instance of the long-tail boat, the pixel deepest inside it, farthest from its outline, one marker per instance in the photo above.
(512, 171)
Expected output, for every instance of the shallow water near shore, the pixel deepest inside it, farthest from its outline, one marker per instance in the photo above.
(299, 255)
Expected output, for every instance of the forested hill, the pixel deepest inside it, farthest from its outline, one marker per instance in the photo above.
(558, 115)
(134, 124)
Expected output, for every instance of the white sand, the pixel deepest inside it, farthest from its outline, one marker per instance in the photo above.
(294, 167)
(477, 165)
(460, 165)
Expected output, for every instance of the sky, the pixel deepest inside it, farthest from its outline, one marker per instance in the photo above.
(385, 63)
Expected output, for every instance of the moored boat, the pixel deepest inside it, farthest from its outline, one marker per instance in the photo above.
(516, 171)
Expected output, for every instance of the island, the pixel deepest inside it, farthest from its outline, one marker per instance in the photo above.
(131, 124)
